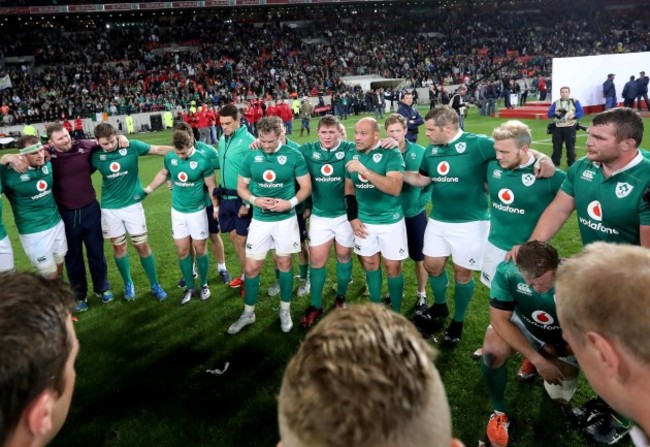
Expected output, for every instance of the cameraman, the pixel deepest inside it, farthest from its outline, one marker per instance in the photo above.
(565, 111)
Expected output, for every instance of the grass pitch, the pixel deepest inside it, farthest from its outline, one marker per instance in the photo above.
(141, 372)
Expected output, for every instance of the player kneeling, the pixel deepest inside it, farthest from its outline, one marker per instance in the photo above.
(523, 318)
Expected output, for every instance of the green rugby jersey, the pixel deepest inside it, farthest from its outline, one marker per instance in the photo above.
(31, 198)
(458, 172)
(232, 152)
(327, 170)
(121, 185)
(537, 311)
(209, 152)
(517, 199)
(189, 191)
(414, 199)
(273, 175)
(609, 209)
(376, 207)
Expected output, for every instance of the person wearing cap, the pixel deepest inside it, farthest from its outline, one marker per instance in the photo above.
(37, 218)
(609, 92)
(642, 90)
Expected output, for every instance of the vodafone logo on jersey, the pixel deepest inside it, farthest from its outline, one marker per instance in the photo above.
(595, 211)
(542, 317)
(443, 168)
(41, 185)
(182, 176)
(363, 178)
(327, 170)
(114, 167)
(268, 176)
(506, 196)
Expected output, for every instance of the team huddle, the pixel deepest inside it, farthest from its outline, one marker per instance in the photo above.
(495, 203)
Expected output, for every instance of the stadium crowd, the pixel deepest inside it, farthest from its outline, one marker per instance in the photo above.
(82, 69)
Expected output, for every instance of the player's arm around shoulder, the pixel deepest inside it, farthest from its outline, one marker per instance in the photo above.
(159, 150)
(160, 178)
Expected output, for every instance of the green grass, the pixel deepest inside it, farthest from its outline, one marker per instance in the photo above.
(141, 377)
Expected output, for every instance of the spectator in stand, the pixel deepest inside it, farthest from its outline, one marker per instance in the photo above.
(211, 116)
(458, 104)
(609, 92)
(79, 128)
(286, 115)
(541, 87)
(642, 90)
(306, 111)
(202, 124)
(630, 92)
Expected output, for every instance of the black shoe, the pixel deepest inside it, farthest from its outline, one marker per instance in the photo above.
(439, 311)
(606, 430)
(386, 300)
(452, 335)
(593, 410)
(420, 310)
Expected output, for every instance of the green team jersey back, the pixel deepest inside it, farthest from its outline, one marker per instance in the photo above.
(232, 151)
(458, 172)
(537, 311)
(414, 199)
(121, 185)
(188, 192)
(517, 199)
(31, 198)
(376, 207)
(609, 209)
(273, 175)
(327, 170)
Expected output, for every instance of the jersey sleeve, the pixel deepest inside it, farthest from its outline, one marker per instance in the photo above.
(486, 146)
(245, 170)
(567, 184)
(500, 296)
(140, 147)
(557, 180)
(348, 157)
(301, 165)
(424, 166)
(166, 161)
(208, 169)
(395, 161)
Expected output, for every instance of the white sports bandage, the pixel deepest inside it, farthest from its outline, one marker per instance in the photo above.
(58, 258)
(293, 201)
(139, 238)
(120, 240)
(46, 269)
(563, 392)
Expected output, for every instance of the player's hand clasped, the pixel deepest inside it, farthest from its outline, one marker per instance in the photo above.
(271, 204)
(358, 228)
(356, 166)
